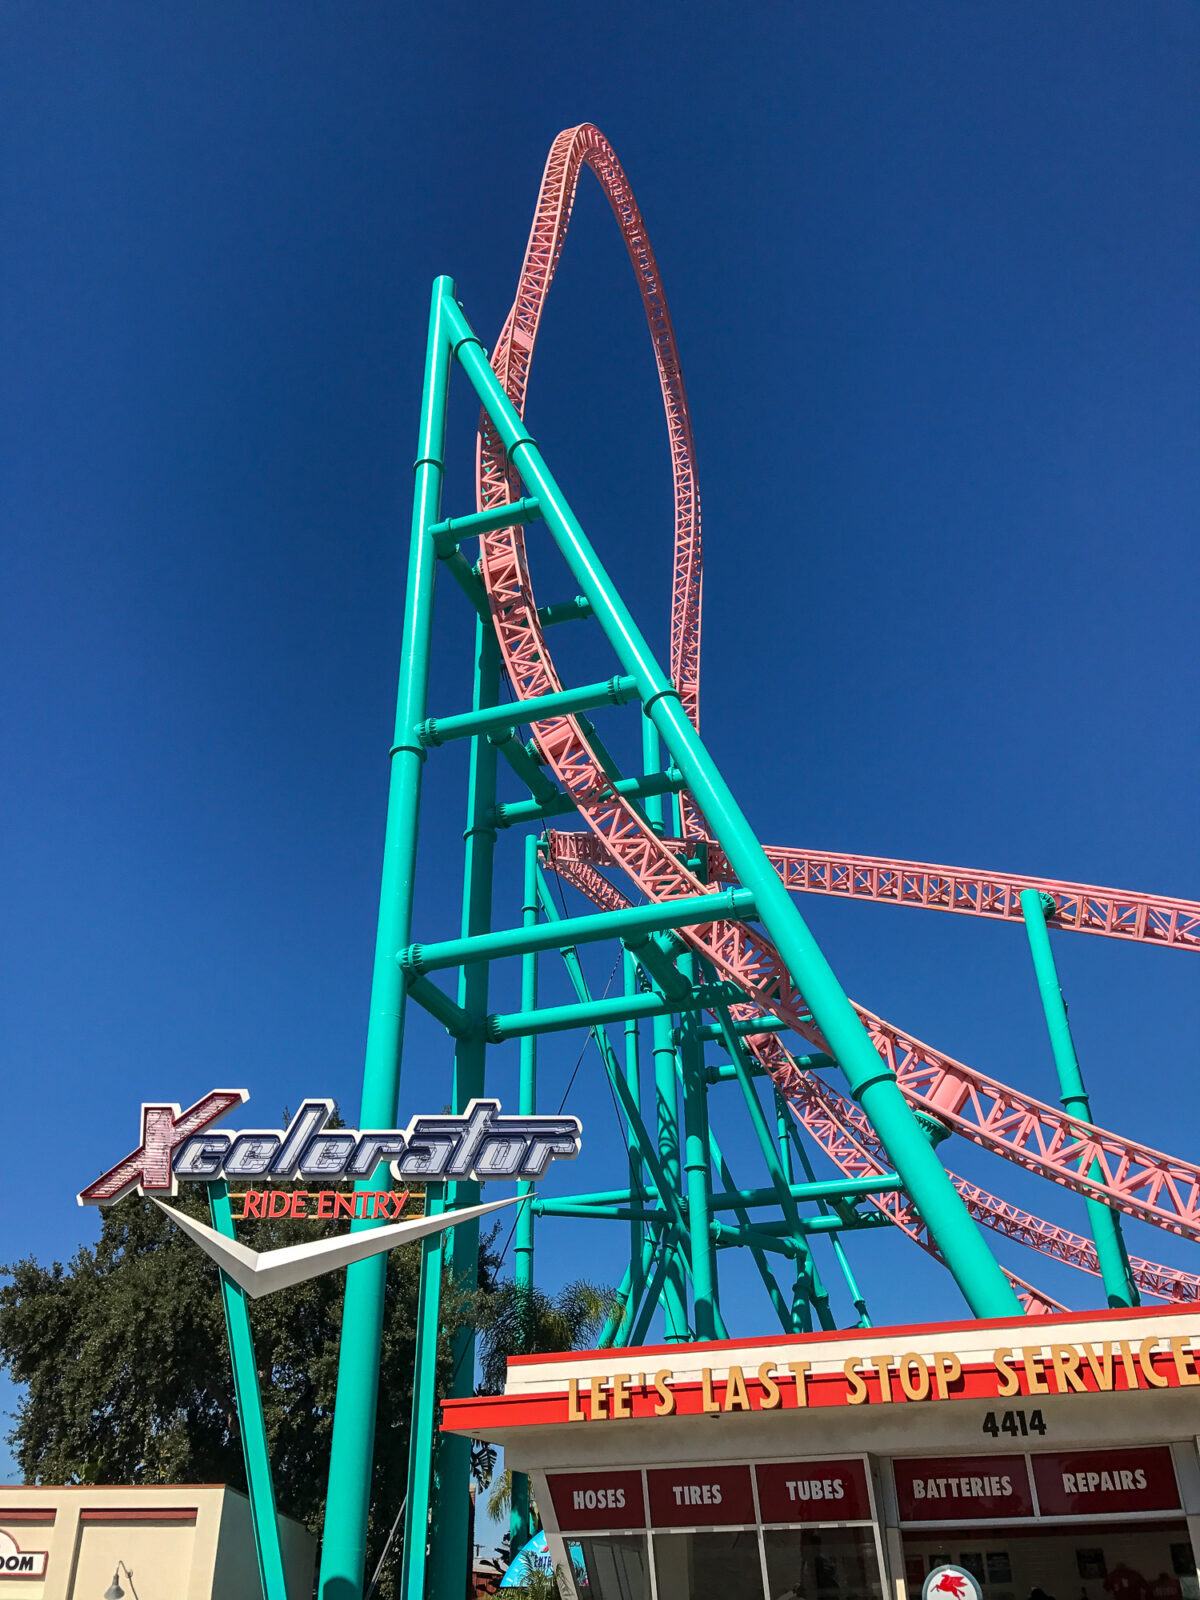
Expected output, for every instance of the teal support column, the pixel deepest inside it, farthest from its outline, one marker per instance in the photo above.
(633, 1082)
(697, 1173)
(666, 1107)
(450, 1554)
(251, 1423)
(423, 1432)
(520, 1525)
(651, 763)
(1105, 1223)
(975, 1269)
(343, 1551)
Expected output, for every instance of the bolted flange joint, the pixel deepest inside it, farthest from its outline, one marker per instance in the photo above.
(410, 960)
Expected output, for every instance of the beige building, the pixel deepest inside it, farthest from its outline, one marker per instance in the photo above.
(171, 1542)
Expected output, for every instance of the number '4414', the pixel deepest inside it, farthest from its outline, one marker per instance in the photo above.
(1017, 1424)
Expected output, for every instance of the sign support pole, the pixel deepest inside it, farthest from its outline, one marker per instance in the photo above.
(251, 1423)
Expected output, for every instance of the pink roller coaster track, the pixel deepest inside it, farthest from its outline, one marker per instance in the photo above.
(1122, 1172)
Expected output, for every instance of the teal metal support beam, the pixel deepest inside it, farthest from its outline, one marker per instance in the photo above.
(672, 1289)
(691, 911)
(617, 1309)
(520, 1522)
(458, 1023)
(640, 1291)
(659, 966)
(511, 813)
(251, 1423)
(606, 1197)
(574, 610)
(966, 1252)
(434, 731)
(807, 1193)
(664, 1173)
(667, 1190)
(726, 1072)
(802, 1280)
(697, 1175)
(524, 766)
(811, 1290)
(848, 1222)
(651, 763)
(712, 1032)
(469, 581)
(422, 1436)
(632, 1064)
(601, 1213)
(504, 1025)
(726, 1235)
(450, 1550)
(527, 1079)
(343, 1550)
(789, 1137)
(668, 1262)
(1105, 1223)
(450, 533)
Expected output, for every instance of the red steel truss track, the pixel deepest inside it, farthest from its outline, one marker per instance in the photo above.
(1141, 1181)
(1080, 907)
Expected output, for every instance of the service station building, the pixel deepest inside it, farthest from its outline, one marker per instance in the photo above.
(1055, 1454)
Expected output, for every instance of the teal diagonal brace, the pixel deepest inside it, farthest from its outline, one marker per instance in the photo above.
(951, 1226)
(251, 1422)
(808, 1277)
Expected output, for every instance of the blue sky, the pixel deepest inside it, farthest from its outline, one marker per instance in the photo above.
(933, 273)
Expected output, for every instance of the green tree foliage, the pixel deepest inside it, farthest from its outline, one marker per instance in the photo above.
(123, 1360)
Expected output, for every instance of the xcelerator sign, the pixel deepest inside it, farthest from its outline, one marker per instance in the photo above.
(183, 1146)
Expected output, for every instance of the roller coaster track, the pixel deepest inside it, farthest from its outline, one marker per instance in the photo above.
(850, 1142)
(1121, 1172)
(1078, 907)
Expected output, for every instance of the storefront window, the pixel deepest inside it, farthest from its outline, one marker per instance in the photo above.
(610, 1566)
(1111, 1561)
(708, 1566)
(821, 1564)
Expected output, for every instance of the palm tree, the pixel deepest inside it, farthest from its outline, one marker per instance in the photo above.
(518, 1321)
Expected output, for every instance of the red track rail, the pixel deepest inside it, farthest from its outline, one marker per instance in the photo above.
(1078, 907)
(1141, 1181)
